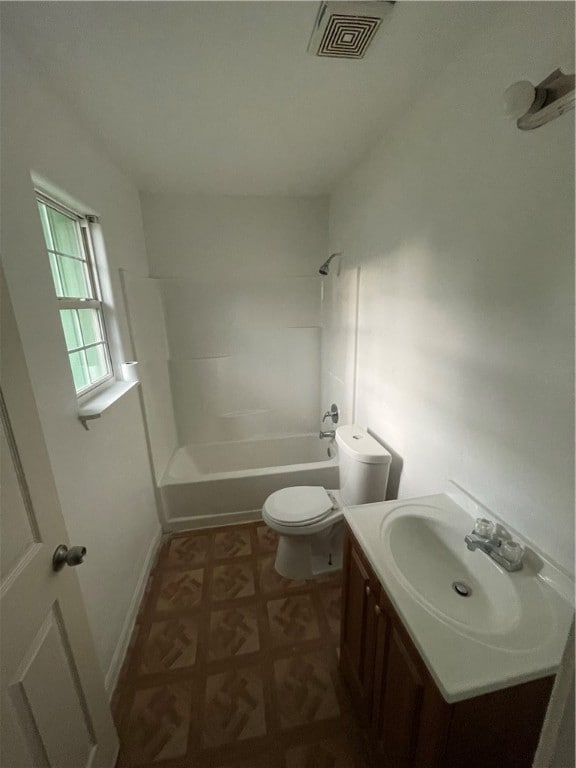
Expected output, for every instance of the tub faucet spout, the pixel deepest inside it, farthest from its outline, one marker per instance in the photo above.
(330, 433)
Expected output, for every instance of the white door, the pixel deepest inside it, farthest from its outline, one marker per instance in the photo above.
(54, 709)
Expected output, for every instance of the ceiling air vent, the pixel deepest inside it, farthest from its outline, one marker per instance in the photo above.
(344, 30)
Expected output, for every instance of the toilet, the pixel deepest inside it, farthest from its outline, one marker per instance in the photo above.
(309, 519)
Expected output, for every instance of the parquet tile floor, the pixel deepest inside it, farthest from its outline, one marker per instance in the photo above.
(233, 666)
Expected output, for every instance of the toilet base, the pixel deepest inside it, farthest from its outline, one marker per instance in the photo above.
(305, 557)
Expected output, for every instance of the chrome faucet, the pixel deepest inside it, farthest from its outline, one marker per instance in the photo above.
(508, 554)
(327, 433)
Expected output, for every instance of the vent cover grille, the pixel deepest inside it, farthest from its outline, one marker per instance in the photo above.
(344, 30)
(347, 37)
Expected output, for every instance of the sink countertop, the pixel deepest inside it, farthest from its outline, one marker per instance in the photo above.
(467, 661)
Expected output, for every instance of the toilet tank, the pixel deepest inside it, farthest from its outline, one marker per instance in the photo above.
(363, 466)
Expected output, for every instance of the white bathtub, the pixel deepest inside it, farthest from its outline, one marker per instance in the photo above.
(220, 483)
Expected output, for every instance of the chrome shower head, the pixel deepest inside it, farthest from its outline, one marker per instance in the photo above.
(325, 268)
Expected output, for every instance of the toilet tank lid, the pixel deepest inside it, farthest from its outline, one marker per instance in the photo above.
(361, 446)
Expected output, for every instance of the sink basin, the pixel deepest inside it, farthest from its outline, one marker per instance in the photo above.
(509, 629)
(426, 551)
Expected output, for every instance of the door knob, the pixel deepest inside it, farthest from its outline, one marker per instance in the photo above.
(64, 556)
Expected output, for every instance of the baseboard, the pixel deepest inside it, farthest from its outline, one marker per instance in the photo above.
(176, 524)
(126, 633)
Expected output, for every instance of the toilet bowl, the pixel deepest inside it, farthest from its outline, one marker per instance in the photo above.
(310, 519)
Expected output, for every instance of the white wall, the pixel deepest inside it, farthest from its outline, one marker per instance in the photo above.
(239, 277)
(102, 476)
(463, 228)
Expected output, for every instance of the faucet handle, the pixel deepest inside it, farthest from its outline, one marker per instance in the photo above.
(484, 527)
(512, 551)
(331, 414)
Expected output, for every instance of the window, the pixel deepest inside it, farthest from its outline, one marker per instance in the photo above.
(70, 250)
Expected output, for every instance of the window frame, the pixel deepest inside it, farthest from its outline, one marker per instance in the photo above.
(83, 223)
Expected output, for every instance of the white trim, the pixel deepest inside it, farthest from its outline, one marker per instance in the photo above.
(178, 524)
(66, 210)
(65, 302)
(128, 626)
(94, 406)
(558, 714)
(356, 344)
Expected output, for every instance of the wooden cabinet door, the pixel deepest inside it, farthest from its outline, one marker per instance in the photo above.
(411, 725)
(358, 627)
(398, 698)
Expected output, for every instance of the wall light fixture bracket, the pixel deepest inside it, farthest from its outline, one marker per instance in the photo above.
(534, 106)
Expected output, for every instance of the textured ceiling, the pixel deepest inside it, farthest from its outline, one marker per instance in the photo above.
(222, 98)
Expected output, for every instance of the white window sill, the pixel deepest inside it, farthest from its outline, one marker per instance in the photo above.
(93, 407)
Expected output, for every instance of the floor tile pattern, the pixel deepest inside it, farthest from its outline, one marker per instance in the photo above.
(179, 590)
(233, 666)
(305, 689)
(292, 619)
(170, 644)
(233, 632)
(158, 723)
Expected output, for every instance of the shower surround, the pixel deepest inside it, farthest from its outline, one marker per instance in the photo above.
(236, 291)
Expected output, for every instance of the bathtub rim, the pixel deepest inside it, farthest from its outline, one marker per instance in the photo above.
(253, 472)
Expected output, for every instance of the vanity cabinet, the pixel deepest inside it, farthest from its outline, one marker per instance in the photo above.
(406, 721)
(358, 630)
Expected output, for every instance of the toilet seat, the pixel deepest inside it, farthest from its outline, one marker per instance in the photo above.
(298, 506)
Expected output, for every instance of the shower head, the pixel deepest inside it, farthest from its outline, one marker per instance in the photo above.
(325, 268)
